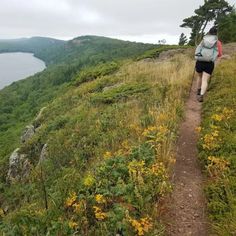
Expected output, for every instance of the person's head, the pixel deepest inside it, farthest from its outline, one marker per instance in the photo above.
(213, 31)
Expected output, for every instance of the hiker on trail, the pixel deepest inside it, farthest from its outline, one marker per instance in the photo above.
(206, 54)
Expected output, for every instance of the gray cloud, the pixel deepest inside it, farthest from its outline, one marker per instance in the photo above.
(141, 20)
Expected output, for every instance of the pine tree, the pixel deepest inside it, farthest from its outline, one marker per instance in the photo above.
(211, 10)
(182, 39)
(227, 28)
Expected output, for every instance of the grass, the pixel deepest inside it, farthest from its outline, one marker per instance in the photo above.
(217, 147)
(110, 143)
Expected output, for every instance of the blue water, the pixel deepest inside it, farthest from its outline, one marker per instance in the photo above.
(17, 66)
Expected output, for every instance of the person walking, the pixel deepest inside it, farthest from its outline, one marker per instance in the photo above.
(206, 55)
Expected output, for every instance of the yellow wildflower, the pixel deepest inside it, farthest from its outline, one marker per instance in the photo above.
(72, 224)
(107, 155)
(159, 169)
(217, 117)
(211, 141)
(1, 212)
(215, 133)
(141, 226)
(146, 223)
(71, 199)
(149, 130)
(99, 214)
(217, 165)
(100, 198)
(227, 113)
(77, 207)
(163, 117)
(198, 129)
(89, 181)
(163, 129)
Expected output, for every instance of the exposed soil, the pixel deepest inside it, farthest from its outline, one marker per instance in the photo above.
(186, 207)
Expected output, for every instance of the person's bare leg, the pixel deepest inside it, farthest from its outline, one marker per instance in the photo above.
(205, 79)
(199, 82)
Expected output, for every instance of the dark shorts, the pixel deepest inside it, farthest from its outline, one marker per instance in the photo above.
(204, 66)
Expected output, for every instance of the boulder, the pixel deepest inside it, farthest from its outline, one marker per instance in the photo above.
(28, 133)
(44, 153)
(19, 167)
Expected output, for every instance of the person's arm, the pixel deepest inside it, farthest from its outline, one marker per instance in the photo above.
(220, 51)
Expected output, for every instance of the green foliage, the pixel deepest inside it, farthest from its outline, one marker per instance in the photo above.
(182, 39)
(217, 147)
(120, 92)
(227, 29)
(211, 10)
(94, 72)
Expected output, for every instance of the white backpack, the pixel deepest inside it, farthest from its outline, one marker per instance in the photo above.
(207, 50)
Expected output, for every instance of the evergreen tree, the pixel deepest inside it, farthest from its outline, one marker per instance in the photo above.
(182, 39)
(211, 10)
(227, 28)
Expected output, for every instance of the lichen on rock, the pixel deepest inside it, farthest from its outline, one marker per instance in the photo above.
(28, 133)
(19, 166)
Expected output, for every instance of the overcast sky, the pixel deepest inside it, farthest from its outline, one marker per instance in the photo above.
(135, 20)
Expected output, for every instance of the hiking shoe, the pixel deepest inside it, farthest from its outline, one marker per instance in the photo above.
(200, 98)
(198, 91)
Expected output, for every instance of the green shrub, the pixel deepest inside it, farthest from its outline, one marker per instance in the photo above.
(94, 72)
(121, 92)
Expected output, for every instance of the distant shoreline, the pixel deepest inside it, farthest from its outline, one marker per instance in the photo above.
(16, 66)
(2, 52)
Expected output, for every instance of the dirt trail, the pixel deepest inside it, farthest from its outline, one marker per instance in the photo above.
(186, 207)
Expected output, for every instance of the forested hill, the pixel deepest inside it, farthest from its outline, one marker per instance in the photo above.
(42, 47)
(84, 48)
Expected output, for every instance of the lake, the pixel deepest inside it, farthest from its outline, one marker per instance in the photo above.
(17, 66)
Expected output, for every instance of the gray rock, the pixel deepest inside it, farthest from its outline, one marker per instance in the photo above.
(19, 166)
(44, 153)
(28, 133)
(37, 120)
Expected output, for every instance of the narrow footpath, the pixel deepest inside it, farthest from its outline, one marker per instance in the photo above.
(186, 208)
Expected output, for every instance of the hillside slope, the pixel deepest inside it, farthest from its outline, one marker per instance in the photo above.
(98, 162)
(20, 102)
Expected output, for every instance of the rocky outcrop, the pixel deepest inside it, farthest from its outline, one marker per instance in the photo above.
(28, 133)
(19, 166)
(44, 153)
(170, 53)
(38, 119)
